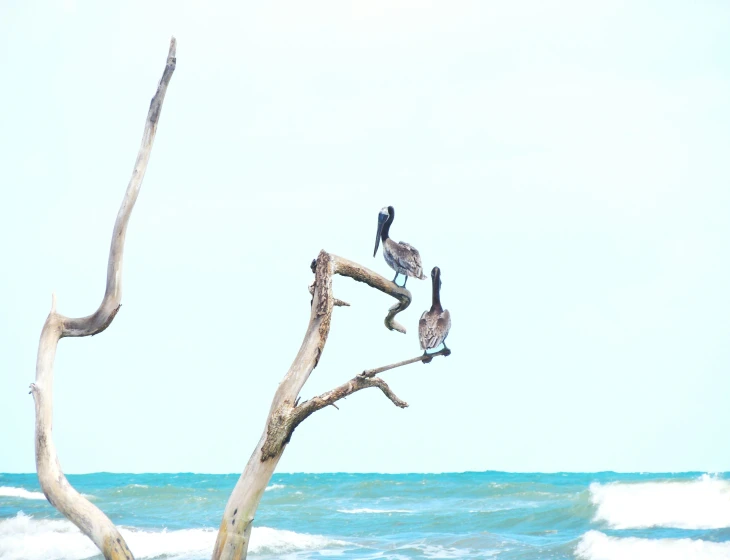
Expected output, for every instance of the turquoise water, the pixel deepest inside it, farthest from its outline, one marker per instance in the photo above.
(468, 515)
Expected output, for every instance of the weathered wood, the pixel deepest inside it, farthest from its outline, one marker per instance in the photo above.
(425, 358)
(285, 414)
(85, 515)
(235, 529)
(307, 408)
(361, 381)
(357, 272)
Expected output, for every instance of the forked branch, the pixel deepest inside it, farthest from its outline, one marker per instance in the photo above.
(284, 415)
(357, 272)
(85, 515)
(361, 381)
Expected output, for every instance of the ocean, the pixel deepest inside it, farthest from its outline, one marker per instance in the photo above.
(506, 516)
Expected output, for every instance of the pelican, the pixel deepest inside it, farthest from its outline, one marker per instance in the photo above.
(401, 257)
(433, 328)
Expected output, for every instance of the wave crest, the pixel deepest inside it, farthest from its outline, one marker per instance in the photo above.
(12, 492)
(595, 545)
(695, 504)
(24, 538)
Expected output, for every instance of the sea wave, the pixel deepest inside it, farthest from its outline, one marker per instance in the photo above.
(595, 545)
(436, 551)
(703, 503)
(25, 538)
(274, 487)
(12, 492)
(368, 510)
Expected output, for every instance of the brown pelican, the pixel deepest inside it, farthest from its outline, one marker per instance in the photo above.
(401, 257)
(433, 328)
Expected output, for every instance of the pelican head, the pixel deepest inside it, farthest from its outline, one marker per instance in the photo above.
(385, 218)
(436, 276)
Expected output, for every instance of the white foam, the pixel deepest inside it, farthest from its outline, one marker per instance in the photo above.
(12, 492)
(274, 487)
(695, 504)
(368, 510)
(277, 541)
(24, 538)
(436, 551)
(595, 545)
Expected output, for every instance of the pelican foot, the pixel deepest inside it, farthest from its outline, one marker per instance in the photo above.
(426, 360)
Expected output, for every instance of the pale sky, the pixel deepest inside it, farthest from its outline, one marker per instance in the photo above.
(566, 164)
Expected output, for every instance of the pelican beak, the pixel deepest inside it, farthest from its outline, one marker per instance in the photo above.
(382, 218)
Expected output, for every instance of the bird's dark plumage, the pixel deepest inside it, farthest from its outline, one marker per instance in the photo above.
(433, 328)
(401, 257)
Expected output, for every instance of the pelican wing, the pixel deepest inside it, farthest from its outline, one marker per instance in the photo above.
(427, 331)
(433, 327)
(409, 258)
(443, 325)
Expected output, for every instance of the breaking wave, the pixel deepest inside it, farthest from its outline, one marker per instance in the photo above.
(703, 503)
(11, 492)
(24, 538)
(274, 487)
(595, 545)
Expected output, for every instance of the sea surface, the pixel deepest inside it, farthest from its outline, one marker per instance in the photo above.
(599, 516)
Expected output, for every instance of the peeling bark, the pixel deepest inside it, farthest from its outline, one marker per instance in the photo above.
(85, 515)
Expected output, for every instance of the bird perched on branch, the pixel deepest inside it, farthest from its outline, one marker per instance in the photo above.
(433, 328)
(401, 257)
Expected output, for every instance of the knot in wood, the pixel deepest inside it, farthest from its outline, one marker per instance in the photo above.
(278, 432)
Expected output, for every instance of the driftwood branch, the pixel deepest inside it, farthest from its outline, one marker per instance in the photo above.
(85, 515)
(235, 528)
(307, 408)
(361, 381)
(344, 267)
(336, 302)
(425, 358)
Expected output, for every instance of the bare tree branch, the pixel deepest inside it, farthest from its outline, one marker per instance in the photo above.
(425, 358)
(357, 272)
(363, 380)
(307, 408)
(85, 515)
(235, 528)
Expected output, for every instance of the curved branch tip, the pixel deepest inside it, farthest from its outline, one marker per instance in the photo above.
(359, 273)
(78, 509)
(394, 325)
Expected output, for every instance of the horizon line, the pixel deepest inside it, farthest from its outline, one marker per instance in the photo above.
(381, 473)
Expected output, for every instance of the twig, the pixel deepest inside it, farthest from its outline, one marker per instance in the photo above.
(336, 302)
(426, 358)
(357, 383)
